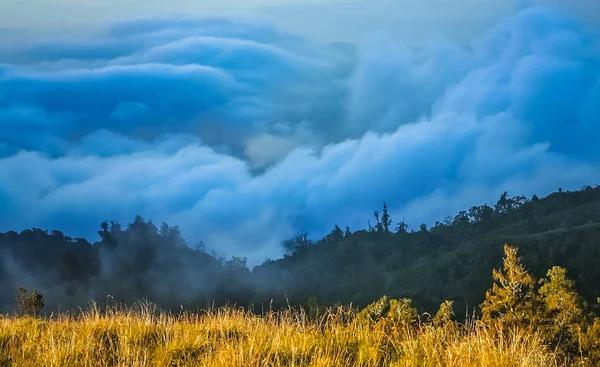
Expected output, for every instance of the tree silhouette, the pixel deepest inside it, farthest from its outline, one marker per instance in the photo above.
(386, 222)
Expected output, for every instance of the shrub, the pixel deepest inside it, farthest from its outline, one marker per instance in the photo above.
(444, 315)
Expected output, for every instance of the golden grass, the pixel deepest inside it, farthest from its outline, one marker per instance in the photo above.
(230, 338)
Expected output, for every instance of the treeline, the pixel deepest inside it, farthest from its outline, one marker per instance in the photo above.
(450, 261)
(126, 265)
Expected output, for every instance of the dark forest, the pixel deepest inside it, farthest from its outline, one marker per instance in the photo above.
(452, 260)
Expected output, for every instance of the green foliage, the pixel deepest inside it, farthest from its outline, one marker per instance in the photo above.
(29, 304)
(449, 260)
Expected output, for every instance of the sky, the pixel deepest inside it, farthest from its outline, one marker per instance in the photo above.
(318, 19)
(246, 122)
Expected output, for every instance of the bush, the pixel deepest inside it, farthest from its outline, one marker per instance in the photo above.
(396, 311)
(444, 315)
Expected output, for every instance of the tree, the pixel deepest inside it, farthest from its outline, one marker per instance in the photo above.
(164, 230)
(171, 234)
(386, 222)
(378, 222)
(107, 234)
(301, 241)
(335, 235)
(138, 221)
(480, 213)
(461, 219)
(237, 263)
(114, 227)
(565, 316)
(200, 247)
(29, 304)
(104, 230)
(402, 227)
(347, 233)
(512, 301)
(501, 204)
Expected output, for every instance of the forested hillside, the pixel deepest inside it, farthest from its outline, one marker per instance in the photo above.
(452, 260)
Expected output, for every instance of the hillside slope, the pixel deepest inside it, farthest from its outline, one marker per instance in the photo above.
(452, 260)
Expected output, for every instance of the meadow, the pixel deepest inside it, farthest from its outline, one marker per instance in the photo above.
(232, 337)
(522, 323)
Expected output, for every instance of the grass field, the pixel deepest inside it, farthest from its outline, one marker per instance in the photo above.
(230, 337)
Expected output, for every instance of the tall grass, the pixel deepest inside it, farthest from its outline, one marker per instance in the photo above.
(230, 337)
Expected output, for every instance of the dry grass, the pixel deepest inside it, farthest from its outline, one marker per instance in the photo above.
(230, 338)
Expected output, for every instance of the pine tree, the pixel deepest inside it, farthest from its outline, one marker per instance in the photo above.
(564, 308)
(512, 301)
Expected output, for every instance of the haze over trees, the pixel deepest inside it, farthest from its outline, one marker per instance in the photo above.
(449, 261)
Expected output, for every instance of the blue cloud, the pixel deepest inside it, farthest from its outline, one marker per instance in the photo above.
(214, 78)
(171, 119)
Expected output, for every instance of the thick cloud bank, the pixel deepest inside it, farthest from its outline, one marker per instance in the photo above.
(242, 134)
